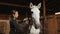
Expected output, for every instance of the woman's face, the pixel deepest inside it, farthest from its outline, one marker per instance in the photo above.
(16, 14)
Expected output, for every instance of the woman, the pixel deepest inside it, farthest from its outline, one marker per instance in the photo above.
(13, 23)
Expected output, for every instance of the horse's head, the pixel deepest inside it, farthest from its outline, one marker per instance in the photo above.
(34, 7)
(36, 12)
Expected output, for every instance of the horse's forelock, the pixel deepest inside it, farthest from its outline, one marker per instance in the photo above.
(35, 9)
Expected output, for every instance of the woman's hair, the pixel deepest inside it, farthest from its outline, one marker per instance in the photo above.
(13, 12)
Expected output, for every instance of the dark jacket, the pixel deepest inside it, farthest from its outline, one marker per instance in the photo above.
(13, 26)
(17, 28)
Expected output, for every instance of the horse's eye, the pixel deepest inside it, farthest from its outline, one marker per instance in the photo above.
(31, 12)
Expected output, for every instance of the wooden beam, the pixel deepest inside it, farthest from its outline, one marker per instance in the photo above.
(44, 7)
(11, 4)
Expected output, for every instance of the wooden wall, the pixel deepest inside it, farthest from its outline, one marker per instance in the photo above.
(52, 24)
(4, 24)
(58, 24)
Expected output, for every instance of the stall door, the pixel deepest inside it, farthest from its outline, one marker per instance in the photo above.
(51, 25)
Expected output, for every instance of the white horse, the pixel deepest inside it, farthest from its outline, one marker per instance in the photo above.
(36, 16)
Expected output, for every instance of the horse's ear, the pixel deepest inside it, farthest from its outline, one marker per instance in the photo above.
(39, 5)
(31, 5)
